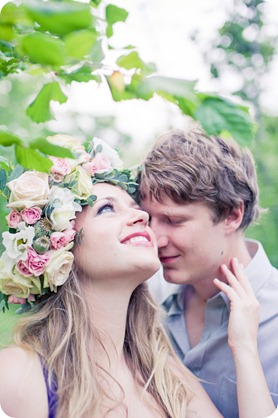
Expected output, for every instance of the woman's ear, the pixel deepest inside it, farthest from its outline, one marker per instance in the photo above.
(233, 220)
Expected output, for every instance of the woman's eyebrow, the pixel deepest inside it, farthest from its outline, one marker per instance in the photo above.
(110, 198)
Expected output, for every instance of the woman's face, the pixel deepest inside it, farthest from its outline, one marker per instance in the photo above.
(116, 241)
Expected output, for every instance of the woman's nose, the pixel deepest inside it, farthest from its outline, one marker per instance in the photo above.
(139, 216)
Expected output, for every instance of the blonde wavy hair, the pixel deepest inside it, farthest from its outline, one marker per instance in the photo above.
(60, 332)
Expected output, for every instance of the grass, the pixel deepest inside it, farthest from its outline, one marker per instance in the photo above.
(7, 322)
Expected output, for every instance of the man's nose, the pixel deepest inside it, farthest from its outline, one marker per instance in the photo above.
(161, 236)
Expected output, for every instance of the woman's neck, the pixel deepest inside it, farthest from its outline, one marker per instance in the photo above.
(108, 314)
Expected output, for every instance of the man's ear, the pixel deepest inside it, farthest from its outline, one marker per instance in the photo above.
(234, 219)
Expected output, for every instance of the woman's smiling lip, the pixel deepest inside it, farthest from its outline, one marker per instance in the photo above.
(138, 239)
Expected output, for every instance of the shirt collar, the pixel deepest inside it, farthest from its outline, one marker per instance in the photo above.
(259, 269)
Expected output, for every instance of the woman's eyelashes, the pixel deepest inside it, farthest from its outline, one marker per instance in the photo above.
(105, 208)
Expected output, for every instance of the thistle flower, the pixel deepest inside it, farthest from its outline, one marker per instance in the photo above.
(41, 244)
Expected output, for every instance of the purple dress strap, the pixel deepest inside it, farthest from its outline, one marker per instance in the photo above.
(51, 393)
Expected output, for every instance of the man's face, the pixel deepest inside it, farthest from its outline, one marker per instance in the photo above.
(191, 247)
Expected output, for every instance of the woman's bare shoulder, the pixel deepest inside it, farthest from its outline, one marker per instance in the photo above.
(22, 385)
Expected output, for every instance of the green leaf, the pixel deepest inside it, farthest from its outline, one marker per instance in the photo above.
(3, 179)
(91, 200)
(6, 32)
(43, 49)
(39, 110)
(167, 85)
(3, 304)
(25, 307)
(133, 60)
(95, 3)
(219, 115)
(60, 18)
(7, 139)
(187, 106)
(12, 14)
(4, 163)
(82, 74)
(114, 14)
(32, 160)
(79, 44)
(18, 170)
(47, 148)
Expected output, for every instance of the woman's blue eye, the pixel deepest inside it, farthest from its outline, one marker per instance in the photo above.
(108, 207)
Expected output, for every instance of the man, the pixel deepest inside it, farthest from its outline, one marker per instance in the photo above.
(201, 193)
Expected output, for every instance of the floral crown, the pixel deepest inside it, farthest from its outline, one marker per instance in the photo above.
(37, 257)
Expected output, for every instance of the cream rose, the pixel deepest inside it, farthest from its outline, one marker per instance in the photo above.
(13, 284)
(82, 181)
(58, 267)
(29, 189)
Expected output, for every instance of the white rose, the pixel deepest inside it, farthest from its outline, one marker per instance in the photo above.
(58, 268)
(16, 244)
(29, 189)
(64, 208)
(82, 188)
(109, 152)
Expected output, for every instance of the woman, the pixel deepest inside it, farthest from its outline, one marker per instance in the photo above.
(93, 346)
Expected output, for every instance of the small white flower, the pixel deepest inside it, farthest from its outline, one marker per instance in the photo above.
(16, 244)
(109, 152)
(64, 208)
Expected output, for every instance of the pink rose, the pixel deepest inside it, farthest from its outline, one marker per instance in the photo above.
(60, 166)
(13, 218)
(99, 164)
(21, 301)
(35, 263)
(15, 300)
(23, 268)
(69, 234)
(61, 239)
(58, 240)
(31, 215)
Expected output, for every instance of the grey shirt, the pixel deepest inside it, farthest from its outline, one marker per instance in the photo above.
(211, 359)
